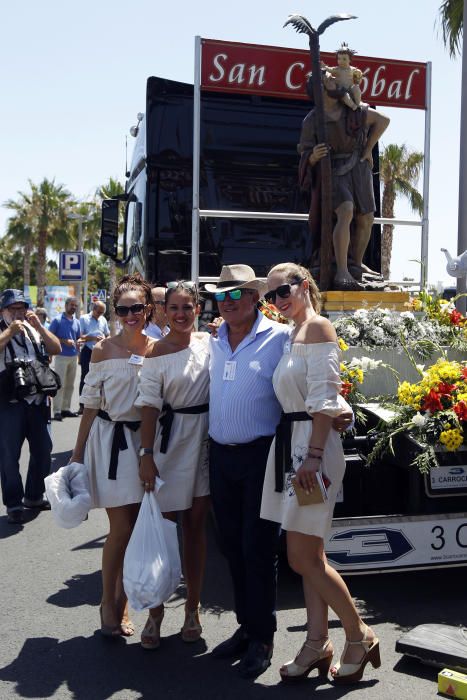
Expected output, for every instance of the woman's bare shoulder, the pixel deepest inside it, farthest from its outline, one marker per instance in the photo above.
(320, 330)
(102, 350)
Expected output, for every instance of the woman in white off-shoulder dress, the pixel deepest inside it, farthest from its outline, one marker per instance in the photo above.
(109, 439)
(173, 396)
(307, 384)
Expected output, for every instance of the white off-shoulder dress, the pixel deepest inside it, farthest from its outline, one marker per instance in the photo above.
(181, 380)
(306, 379)
(112, 386)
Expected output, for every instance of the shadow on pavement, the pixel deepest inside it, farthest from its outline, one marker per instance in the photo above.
(97, 668)
(379, 597)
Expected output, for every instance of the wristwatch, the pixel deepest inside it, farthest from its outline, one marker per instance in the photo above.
(145, 451)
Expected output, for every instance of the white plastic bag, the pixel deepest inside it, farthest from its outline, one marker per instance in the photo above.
(68, 493)
(151, 568)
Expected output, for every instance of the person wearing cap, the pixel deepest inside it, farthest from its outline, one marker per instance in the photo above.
(67, 329)
(25, 418)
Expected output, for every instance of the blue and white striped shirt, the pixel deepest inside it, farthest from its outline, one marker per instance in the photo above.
(245, 408)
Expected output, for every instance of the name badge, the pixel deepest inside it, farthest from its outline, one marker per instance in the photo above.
(229, 370)
(136, 360)
(287, 346)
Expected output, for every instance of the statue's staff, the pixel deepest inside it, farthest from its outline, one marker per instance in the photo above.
(302, 26)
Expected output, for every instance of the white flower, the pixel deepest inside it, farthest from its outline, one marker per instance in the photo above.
(408, 315)
(418, 420)
(420, 368)
(368, 364)
(352, 331)
(361, 315)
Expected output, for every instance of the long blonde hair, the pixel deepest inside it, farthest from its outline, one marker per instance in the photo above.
(295, 273)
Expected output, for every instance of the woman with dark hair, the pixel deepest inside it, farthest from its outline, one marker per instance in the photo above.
(109, 439)
(173, 395)
(307, 384)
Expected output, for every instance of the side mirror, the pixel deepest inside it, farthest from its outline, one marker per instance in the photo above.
(109, 228)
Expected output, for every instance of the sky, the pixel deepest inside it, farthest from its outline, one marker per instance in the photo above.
(73, 78)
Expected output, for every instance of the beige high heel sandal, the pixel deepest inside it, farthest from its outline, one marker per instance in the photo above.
(352, 673)
(191, 630)
(151, 634)
(293, 671)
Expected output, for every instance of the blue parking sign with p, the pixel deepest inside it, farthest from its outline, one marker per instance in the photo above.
(72, 266)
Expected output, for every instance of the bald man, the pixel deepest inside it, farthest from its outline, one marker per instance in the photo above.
(157, 326)
(94, 327)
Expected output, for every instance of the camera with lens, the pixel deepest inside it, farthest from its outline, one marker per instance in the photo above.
(22, 384)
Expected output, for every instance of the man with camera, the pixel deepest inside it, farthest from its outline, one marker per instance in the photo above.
(23, 405)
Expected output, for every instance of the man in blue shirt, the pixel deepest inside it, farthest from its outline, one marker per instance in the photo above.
(243, 415)
(93, 327)
(66, 328)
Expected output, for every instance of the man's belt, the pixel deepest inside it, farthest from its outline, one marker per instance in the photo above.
(167, 417)
(283, 447)
(119, 442)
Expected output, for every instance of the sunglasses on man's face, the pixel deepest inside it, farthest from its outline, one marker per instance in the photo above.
(135, 309)
(234, 294)
(283, 291)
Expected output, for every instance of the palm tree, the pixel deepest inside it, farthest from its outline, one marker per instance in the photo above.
(51, 204)
(451, 16)
(399, 171)
(20, 232)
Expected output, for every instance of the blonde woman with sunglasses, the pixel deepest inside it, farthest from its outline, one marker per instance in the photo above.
(307, 384)
(173, 396)
(109, 439)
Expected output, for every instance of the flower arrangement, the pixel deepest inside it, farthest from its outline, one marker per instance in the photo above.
(353, 375)
(384, 328)
(270, 311)
(433, 411)
(444, 314)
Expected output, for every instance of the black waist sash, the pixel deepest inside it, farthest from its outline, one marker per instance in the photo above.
(119, 442)
(167, 417)
(283, 446)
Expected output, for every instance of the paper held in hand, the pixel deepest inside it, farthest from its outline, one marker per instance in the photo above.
(318, 495)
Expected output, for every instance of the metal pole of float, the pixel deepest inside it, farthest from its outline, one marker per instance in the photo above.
(462, 215)
(426, 182)
(196, 162)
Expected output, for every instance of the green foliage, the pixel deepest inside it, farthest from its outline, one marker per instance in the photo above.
(451, 16)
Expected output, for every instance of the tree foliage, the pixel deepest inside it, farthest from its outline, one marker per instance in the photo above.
(399, 171)
(451, 17)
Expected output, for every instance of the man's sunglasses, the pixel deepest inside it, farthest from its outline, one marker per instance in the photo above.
(283, 291)
(234, 294)
(135, 309)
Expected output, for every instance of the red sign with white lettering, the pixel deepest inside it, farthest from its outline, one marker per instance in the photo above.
(279, 72)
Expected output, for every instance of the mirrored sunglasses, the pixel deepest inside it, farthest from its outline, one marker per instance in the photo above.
(234, 294)
(185, 284)
(134, 308)
(283, 291)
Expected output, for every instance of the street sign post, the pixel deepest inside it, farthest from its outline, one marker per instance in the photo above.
(72, 266)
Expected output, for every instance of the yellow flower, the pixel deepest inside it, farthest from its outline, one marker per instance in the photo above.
(343, 345)
(452, 439)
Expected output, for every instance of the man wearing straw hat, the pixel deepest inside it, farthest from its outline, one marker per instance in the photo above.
(243, 414)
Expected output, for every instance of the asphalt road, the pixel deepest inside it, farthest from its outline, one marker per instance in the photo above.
(51, 648)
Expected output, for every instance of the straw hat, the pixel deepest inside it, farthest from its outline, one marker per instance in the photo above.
(237, 277)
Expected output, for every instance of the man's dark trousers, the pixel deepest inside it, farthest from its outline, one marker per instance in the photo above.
(84, 360)
(249, 543)
(21, 421)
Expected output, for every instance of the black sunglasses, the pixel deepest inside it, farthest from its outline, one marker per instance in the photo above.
(134, 308)
(283, 291)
